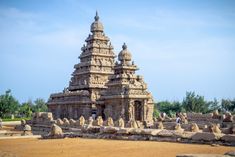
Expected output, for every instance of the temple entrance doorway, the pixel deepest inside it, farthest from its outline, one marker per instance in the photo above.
(137, 106)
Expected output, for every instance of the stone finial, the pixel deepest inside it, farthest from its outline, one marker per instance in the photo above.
(96, 16)
(110, 122)
(124, 46)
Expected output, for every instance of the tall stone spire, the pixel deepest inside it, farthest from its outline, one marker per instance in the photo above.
(97, 26)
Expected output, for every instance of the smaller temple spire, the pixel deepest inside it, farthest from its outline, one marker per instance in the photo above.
(96, 16)
(124, 46)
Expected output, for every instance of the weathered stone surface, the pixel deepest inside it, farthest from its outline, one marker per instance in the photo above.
(99, 121)
(160, 126)
(195, 128)
(66, 122)
(109, 129)
(56, 131)
(228, 138)
(92, 81)
(178, 128)
(124, 130)
(200, 155)
(27, 130)
(72, 122)
(166, 133)
(206, 136)
(152, 132)
(120, 123)
(80, 122)
(215, 128)
(110, 122)
(230, 153)
(59, 122)
(90, 121)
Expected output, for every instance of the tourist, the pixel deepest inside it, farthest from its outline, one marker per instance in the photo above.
(178, 120)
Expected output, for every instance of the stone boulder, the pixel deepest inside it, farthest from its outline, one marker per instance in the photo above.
(132, 124)
(27, 130)
(229, 138)
(205, 136)
(230, 153)
(124, 131)
(152, 132)
(56, 132)
(108, 130)
(228, 117)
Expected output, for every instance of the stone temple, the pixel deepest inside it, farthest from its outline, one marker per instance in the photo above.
(101, 86)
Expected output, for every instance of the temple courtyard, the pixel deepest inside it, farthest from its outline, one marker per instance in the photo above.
(79, 147)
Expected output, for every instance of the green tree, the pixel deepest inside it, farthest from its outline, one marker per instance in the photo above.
(170, 108)
(25, 109)
(40, 105)
(194, 103)
(213, 105)
(8, 104)
(228, 105)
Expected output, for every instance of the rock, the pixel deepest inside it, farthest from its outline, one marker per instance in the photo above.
(206, 136)
(206, 129)
(120, 123)
(124, 130)
(109, 129)
(200, 155)
(195, 128)
(230, 153)
(56, 132)
(27, 130)
(228, 138)
(152, 132)
(166, 133)
(228, 117)
(59, 122)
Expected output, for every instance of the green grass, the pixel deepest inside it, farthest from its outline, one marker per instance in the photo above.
(15, 119)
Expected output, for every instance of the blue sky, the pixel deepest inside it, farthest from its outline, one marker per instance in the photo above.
(179, 46)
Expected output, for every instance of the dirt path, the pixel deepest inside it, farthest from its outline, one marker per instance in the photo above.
(78, 147)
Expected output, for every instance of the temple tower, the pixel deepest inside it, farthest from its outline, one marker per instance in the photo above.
(127, 94)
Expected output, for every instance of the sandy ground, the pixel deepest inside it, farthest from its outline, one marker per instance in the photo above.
(78, 147)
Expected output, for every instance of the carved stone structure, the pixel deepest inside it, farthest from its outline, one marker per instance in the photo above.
(99, 87)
